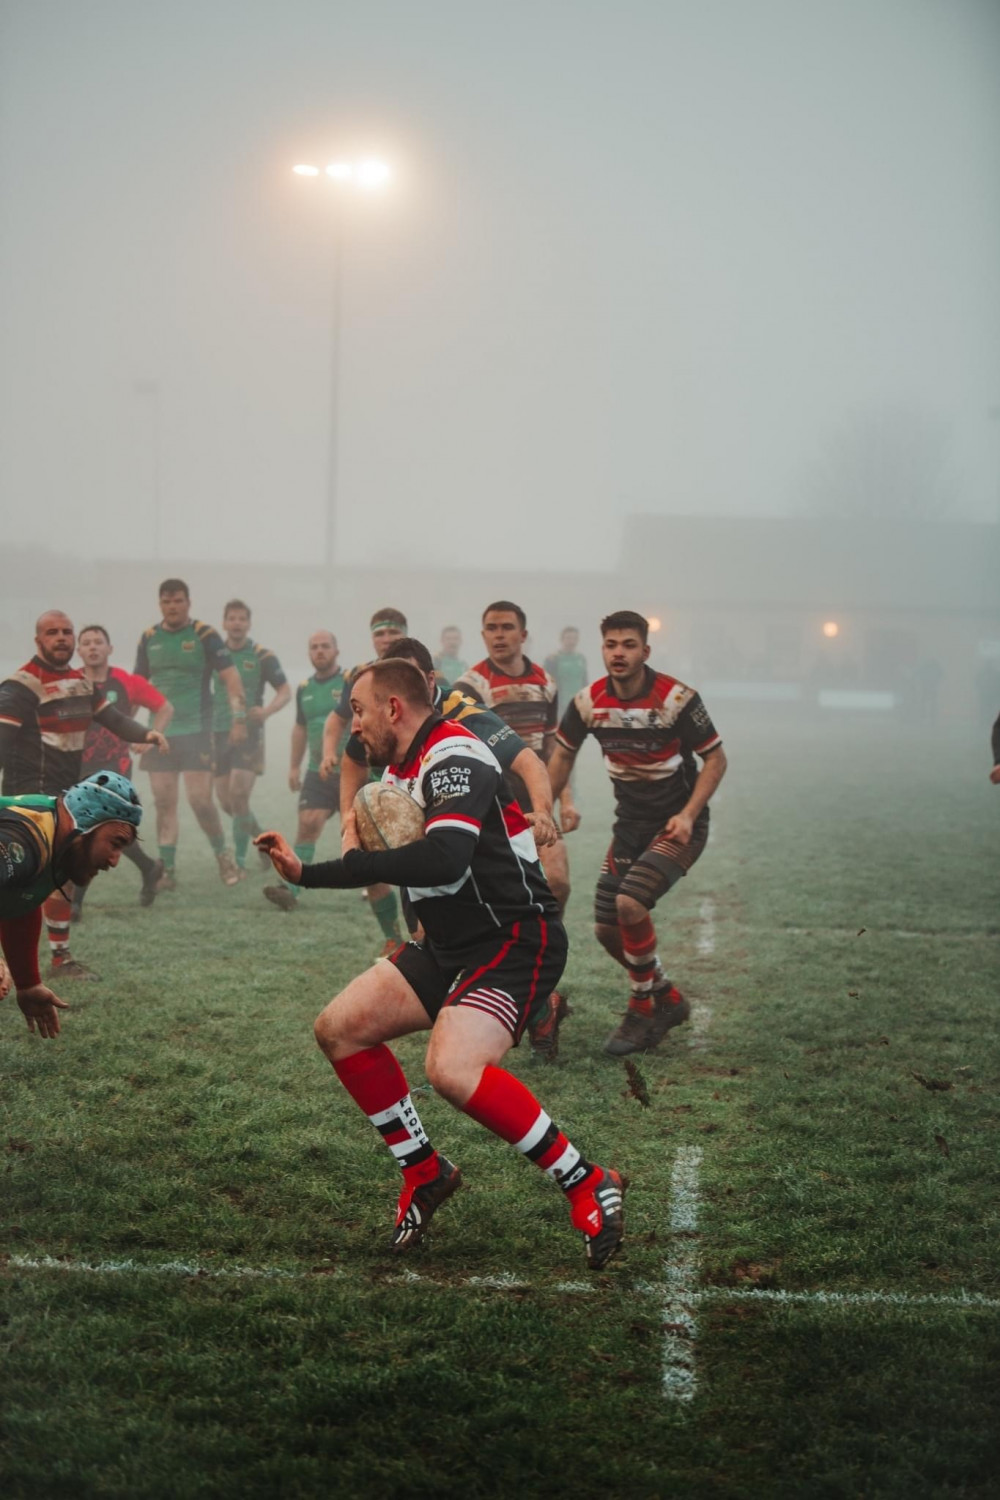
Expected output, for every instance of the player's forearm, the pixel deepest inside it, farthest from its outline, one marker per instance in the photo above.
(126, 729)
(19, 941)
(277, 703)
(162, 717)
(299, 739)
(233, 684)
(535, 776)
(559, 769)
(711, 773)
(332, 730)
(439, 859)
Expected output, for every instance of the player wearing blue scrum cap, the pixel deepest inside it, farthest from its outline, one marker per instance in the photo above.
(45, 842)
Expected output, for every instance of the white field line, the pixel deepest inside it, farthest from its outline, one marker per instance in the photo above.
(706, 932)
(680, 1327)
(696, 1031)
(983, 936)
(506, 1281)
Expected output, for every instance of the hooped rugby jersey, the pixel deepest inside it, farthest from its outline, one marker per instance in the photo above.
(456, 779)
(258, 668)
(648, 742)
(526, 702)
(102, 749)
(45, 713)
(180, 663)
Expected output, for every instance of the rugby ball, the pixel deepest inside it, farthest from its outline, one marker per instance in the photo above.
(387, 816)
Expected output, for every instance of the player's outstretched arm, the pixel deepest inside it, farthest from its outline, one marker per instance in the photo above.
(282, 855)
(533, 772)
(299, 739)
(560, 768)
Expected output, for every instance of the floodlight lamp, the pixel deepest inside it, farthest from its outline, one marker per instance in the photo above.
(655, 623)
(831, 629)
(372, 174)
(340, 171)
(304, 171)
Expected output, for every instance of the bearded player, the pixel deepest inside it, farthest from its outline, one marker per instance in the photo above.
(650, 728)
(45, 843)
(494, 943)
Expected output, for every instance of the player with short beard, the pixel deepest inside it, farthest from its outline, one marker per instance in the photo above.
(45, 843)
(46, 709)
(494, 943)
(650, 727)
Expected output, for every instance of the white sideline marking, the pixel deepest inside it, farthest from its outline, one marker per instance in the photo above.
(706, 936)
(848, 1299)
(680, 1377)
(983, 936)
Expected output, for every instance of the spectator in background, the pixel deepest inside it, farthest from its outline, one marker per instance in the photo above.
(568, 668)
(448, 664)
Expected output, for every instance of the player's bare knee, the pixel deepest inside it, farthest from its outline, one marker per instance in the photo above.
(630, 911)
(328, 1031)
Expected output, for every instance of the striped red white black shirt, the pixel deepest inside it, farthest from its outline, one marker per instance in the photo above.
(649, 743)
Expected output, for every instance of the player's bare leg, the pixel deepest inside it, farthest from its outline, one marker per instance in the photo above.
(165, 787)
(545, 1021)
(382, 900)
(198, 787)
(241, 784)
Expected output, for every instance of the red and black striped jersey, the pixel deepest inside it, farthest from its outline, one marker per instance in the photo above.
(45, 713)
(457, 780)
(527, 702)
(648, 742)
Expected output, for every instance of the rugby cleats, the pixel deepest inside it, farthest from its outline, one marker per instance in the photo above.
(229, 870)
(639, 1032)
(417, 1205)
(597, 1211)
(281, 896)
(151, 883)
(70, 968)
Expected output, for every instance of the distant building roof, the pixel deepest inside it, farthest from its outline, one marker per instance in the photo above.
(793, 561)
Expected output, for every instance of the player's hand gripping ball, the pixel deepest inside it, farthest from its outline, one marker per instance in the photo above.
(387, 816)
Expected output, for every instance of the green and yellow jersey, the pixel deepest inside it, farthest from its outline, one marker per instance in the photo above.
(181, 663)
(315, 700)
(258, 668)
(27, 839)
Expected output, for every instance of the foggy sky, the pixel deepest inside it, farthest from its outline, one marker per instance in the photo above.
(635, 257)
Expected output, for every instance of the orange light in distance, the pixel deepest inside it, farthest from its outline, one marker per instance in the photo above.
(654, 623)
(831, 630)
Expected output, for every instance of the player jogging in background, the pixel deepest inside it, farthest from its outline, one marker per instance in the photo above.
(315, 700)
(45, 843)
(104, 751)
(46, 709)
(237, 766)
(567, 667)
(493, 944)
(387, 625)
(179, 656)
(514, 756)
(650, 727)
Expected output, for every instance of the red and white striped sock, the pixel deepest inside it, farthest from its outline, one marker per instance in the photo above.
(644, 968)
(377, 1084)
(57, 909)
(503, 1104)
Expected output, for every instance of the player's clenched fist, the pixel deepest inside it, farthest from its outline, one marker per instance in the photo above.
(282, 855)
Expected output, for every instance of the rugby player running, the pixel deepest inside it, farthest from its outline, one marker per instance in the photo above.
(494, 942)
(650, 727)
(178, 656)
(237, 766)
(315, 700)
(104, 751)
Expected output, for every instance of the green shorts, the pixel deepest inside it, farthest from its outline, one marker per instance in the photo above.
(185, 752)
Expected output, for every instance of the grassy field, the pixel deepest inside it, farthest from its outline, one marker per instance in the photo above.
(196, 1295)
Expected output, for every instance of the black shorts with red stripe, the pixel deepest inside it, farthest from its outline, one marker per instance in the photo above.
(504, 979)
(642, 862)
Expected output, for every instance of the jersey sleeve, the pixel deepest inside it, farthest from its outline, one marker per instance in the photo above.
(343, 709)
(472, 684)
(215, 649)
(458, 783)
(141, 668)
(17, 703)
(695, 728)
(355, 750)
(270, 670)
(497, 736)
(574, 729)
(20, 856)
(142, 693)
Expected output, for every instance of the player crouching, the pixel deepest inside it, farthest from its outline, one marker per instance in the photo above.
(46, 842)
(494, 944)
